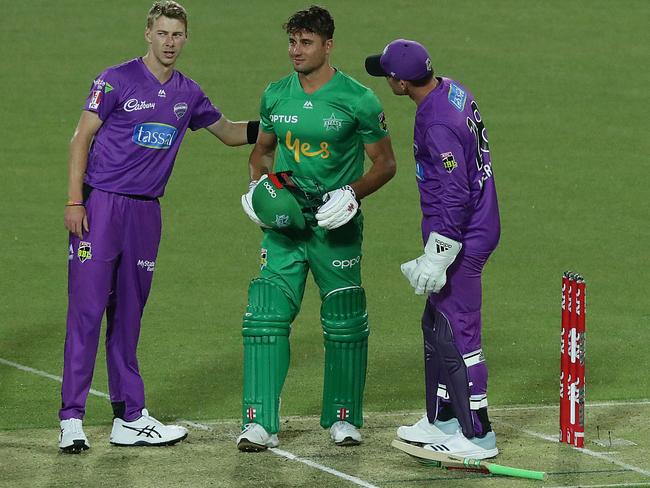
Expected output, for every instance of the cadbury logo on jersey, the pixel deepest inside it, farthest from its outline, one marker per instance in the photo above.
(154, 135)
(132, 105)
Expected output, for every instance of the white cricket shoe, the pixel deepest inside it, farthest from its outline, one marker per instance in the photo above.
(424, 432)
(345, 434)
(255, 438)
(146, 431)
(72, 439)
(475, 448)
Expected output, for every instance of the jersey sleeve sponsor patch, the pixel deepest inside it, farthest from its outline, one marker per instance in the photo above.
(457, 97)
(95, 99)
(382, 122)
(448, 161)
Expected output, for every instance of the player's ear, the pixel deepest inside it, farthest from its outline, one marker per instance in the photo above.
(329, 44)
(147, 35)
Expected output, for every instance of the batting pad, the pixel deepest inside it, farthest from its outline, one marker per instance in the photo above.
(345, 327)
(266, 328)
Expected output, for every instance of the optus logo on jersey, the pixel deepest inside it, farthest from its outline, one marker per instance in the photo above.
(133, 105)
(154, 135)
(288, 119)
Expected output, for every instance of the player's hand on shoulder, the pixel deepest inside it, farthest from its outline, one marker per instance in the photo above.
(247, 201)
(339, 207)
(75, 220)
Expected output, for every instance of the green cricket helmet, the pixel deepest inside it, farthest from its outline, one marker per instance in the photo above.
(275, 205)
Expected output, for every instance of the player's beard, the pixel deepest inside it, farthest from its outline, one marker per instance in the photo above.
(309, 69)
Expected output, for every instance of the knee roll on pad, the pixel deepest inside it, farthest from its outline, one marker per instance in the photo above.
(344, 316)
(269, 311)
(345, 327)
(266, 328)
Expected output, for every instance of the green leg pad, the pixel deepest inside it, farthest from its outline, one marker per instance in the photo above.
(345, 328)
(266, 328)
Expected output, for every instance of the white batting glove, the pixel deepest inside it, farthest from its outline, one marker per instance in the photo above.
(430, 272)
(247, 201)
(339, 207)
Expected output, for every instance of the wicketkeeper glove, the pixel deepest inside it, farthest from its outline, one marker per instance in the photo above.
(339, 207)
(247, 201)
(428, 273)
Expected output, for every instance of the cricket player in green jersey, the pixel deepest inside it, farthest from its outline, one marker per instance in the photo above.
(316, 124)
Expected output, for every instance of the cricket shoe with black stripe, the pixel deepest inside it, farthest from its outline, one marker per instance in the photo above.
(424, 432)
(475, 448)
(255, 438)
(345, 434)
(146, 431)
(72, 439)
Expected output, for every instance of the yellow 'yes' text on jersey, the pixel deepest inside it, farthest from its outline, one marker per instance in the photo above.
(305, 148)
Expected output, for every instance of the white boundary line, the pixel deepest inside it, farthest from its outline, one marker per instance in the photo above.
(199, 426)
(352, 479)
(48, 375)
(361, 482)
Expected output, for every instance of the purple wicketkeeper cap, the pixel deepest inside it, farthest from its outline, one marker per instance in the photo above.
(401, 59)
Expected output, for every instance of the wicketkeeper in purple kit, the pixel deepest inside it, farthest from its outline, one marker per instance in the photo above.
(121, 156)
(460, 229)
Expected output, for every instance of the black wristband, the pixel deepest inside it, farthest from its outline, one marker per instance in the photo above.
(252, 128)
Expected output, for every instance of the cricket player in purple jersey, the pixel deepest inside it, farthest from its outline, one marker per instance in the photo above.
(121, 156)
(460, 229)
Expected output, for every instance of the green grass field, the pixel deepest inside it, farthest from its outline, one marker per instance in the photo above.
(563, 88)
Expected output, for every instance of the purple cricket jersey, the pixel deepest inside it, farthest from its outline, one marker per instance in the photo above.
(144, 123)
(453, 169)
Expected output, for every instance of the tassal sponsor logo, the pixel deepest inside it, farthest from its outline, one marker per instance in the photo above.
(154, 135)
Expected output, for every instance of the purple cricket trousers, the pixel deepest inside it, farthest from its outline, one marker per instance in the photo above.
(109, 270)
(459, 305)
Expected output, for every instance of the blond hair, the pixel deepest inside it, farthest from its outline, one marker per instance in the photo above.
(168, 8)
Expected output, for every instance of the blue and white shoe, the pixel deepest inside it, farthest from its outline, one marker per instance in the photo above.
(475, 448)
(424, 432)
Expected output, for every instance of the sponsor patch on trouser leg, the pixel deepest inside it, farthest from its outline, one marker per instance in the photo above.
(266, 328)
(345, 329)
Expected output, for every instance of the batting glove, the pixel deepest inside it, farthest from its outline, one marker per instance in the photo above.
(428, 273)
(247, 201)
(339, 207)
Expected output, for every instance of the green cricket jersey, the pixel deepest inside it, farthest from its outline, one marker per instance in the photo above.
(321, 135)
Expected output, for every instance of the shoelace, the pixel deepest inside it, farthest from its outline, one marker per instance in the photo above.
(149, 418)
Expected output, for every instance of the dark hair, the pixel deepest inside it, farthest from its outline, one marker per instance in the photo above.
(315, 19)
(166, 8)
(422, 81)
